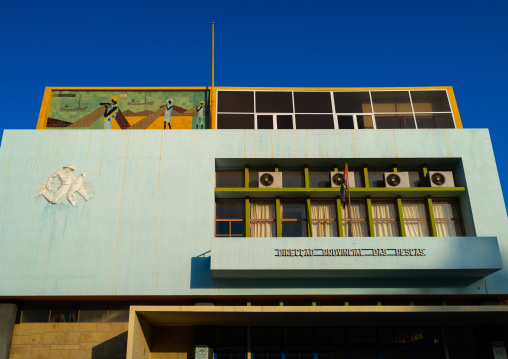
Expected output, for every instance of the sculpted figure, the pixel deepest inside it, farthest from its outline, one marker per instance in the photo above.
(69, 185)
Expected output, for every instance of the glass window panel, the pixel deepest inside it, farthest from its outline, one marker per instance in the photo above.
(118, 315)
(430, 101)
(377, 179)
(229, 179)
(230, 209)
(262, 210)
(346, 122)
(416, 228)
(369, 335)
(235, 121)
(35, 315)
(360, 229)
(316, 122)
(93, 315)
(352, 102)
(358, 175)
(293, 179)
(414, 209)
(64, 315)
(319, 179)
(222, 228)
(448, 228)
(237, 228)
(395, 121)
(338, 335)
(265, 122)
(357, 210)
(364, 122)
(235, 101)
(271, 101)
(293, 210)
(313, 102)
(294, 229)
(383, 228)
(323, 210)
(425, 335)
(284, 122)
(435, 120)
(445, 209)
(391, 101)
(415, 179)
(254, 179)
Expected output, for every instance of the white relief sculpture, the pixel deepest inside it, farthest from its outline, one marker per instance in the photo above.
(67, 188)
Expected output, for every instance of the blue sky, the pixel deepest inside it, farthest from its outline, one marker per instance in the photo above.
(259, 43)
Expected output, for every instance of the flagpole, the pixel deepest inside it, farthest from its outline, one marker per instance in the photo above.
(350, 218)
(212, 93)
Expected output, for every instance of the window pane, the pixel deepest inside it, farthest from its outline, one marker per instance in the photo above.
(383, 210)
(254, 179)
(352, 102)
(34, 315)
(376, 179)
(359, 229)
(284, 122)
(222, 228)
(416, 228)
(224, 179)
(415, 179)
(364, 122)
(265, 122)
(293, 210)
(357, 210)
(430, 101)
(118, 315)
(346, 122)
(319, 179)
(232, 122)
(63, 315)
(230, 209)
(414, 209)
(358, 175)
(274, 101)
(395, 121)
(391, 101)
(448, 228)
(237, 228)
(93, 315)
(235, 101)
(435, 120)
(313, 102)
(444, 209)
(317, 122)
(294, 229)
(323, 210)
(293, 179)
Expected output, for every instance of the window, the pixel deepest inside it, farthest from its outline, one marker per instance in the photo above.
(230, 218)
(293, 179)
(384, 217)
(319, 179)
(358, 219)
(377, 178)
(383, 109)
(227, 179)
(324, 218)
(415, 218)
(262, 219)
(293, 219)
(448, 218)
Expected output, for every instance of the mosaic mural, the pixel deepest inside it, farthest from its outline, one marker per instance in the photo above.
(129, 110)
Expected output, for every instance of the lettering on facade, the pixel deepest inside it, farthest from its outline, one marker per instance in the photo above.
(350, 252)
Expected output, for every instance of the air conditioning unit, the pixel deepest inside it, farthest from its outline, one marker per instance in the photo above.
(441, 179)
(270, 179)
(396, 179)
(337, 177)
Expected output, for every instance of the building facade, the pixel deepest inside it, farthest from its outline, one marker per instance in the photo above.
(220, 227)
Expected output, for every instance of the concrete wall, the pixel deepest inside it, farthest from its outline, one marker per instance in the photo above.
(69, 341)
(148, 229)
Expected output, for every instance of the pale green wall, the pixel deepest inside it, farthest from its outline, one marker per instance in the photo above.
(148, 230)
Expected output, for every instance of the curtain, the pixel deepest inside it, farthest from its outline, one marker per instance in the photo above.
(323, 210)
(415, 228)
(446, 228)
(262, 210)
(384, 228)
(357, 212)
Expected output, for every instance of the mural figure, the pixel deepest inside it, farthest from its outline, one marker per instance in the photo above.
(110, 112)
(199, 110)
(69, 185)
(167, 114)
